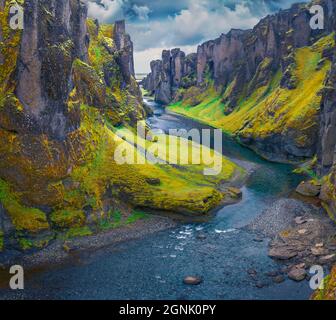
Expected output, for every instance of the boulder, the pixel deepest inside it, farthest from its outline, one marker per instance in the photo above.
(309, 188)
(279, 279)
(192, 280)
(282, 253)
(297, 273)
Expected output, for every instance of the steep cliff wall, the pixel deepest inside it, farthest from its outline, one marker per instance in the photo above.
(67, 92)
(238, 54)
(327, 138)
(174, 71)
(263, 85)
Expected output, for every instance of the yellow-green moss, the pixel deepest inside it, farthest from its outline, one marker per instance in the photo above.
(78, 232)
(270, 109)
(9, 48)
(184, 188)
(23, 218)
(68, 218)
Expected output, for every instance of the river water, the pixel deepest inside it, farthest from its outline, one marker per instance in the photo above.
(154, 267)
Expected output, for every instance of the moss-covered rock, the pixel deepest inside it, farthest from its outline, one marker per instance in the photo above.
(279, 123)
(59, 130)
(68, 218)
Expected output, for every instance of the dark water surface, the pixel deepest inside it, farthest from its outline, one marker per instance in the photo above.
(154, 267)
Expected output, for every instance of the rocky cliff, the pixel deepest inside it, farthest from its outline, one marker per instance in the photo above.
(240, 53)
(174, 71)
(247, 83)
(67, 92)
(327, 139)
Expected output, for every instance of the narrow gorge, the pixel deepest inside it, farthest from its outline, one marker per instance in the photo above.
(84, 144)
(68, 94)
(272, 88)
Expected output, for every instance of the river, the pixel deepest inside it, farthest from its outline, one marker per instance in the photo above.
(154, 267)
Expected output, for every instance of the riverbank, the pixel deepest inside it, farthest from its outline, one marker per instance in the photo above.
(60, 251)
(219, 249)
(301, 236)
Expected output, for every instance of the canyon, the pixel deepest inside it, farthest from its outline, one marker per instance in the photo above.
(259, 70)
(69, 98)
(244, 82)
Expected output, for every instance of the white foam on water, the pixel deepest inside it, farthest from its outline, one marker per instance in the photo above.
(224, 231)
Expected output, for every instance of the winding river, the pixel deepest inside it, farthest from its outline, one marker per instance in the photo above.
(154, 267)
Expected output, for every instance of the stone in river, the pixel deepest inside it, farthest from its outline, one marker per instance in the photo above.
(302, 231)
(282, 253)
(192, 280)
(318, 251)
(201, 236)
(297, 273)
(260, 285)
(272, 274)
(327, 259)
(279, 279)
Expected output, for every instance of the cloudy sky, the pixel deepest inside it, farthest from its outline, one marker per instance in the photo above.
(155, 25)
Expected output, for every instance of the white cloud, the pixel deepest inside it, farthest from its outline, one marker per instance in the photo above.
(186, 29)
(106, 11)
(142, 12)
(201, 20)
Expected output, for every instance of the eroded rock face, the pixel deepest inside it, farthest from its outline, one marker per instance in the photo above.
(174, 71)
(125, 47)
(50, 43)
(47, 75)
(238, 56)
(327, 138)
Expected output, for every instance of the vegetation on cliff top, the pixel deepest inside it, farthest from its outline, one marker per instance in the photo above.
(75, 187)
(270, 109)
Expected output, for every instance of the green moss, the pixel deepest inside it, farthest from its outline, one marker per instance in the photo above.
(181, 188)
(135, 216)
(23, 218)
(78, 232)
(25, 244)
(269, 109)
(68, 218)
(115, 220)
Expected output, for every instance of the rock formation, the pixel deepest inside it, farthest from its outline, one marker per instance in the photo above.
(327, 138)
(239, 54)
(67, 89)
(263, 68)
(174, 71)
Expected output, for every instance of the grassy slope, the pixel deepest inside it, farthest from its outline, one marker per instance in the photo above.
(181, 188)
(270, 109)
(71, 176)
